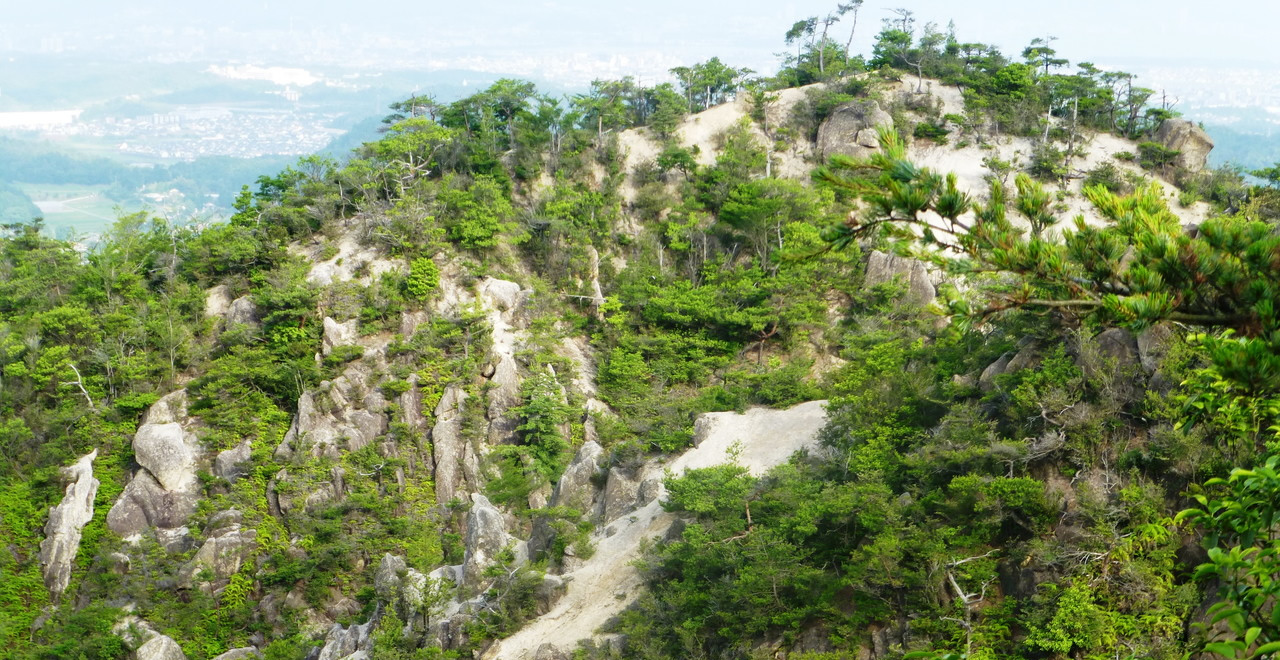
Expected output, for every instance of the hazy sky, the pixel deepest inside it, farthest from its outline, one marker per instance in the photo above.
(653, 34)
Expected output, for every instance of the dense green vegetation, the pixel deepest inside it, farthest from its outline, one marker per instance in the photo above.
(954, 511)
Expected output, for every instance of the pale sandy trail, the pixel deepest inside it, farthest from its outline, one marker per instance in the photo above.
(608, 582)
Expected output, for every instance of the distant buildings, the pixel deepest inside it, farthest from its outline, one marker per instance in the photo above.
(37, 121)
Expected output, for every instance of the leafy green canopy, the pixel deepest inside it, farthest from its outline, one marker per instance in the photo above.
(1139, 268)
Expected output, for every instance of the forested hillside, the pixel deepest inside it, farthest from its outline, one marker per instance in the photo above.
(522, 378)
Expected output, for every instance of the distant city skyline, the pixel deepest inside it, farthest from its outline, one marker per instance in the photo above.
(575, 40)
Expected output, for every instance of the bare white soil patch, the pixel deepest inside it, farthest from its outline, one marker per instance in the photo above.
(608, 582)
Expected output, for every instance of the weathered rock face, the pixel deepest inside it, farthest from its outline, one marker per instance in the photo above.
(549, 592)
(161, 449)
(219, 305)
(343, 414)
(486, 537)
(410, 320)
(224, 551)
(217, 301)
(342, 643)
(851, 129)
(339, 334)
(624, 491)
(502, 295)
(171, 408)
(409, 586)
(576, 489)
(243, 312)
(246, 653)
(452, 451)
(411, 404)
(1185, 136)
(1112, 358)
(1119, 345)
(289, 494)
(145, 503)
(504, 395)
(233, 463)
(987, 381)
(503, 301)
(387, 578)
(164, 492)
(66, 521)
(1153, 346)
(160, 647)
(883, 268)
(1026, 357)
(548, 651)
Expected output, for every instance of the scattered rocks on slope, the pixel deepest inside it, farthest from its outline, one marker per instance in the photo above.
(851, 129)
(66, 521)
(884, 268)
(1186, 137)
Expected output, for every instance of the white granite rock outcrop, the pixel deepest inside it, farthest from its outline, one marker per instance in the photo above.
(66, 522)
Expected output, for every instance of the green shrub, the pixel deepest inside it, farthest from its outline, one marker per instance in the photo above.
(931, 131)
(1110, 177)
(423, 279)
(1156, 156)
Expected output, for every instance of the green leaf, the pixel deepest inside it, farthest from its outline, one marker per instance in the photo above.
(1228, 649)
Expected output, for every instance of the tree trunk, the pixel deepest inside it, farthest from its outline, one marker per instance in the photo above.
(849, 44)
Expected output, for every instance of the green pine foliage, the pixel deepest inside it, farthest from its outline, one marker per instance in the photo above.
(1026, 515)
